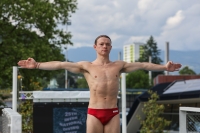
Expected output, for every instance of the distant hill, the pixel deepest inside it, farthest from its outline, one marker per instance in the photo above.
(186, 58)
(88, 54)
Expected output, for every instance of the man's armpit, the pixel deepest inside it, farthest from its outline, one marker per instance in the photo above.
(122, 70)
(83, 71)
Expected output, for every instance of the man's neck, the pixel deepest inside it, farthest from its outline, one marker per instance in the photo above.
(102, 60)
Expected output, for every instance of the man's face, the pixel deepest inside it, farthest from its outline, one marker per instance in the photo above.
(103, 46)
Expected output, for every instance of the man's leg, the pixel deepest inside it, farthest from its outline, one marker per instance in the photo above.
(113, 126)
(93, 125)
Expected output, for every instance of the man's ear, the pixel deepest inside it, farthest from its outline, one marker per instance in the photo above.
(94, 46)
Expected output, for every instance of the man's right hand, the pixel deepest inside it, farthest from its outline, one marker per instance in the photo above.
(30, 63)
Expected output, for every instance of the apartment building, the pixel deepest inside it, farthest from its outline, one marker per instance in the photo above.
(132, 52)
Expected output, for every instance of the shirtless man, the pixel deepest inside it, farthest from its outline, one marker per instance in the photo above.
(102, 76)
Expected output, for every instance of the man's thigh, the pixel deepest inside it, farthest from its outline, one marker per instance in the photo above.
(93, 125)
(113, 126)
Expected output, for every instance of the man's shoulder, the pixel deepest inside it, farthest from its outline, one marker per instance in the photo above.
(119, 62)
(84, 63)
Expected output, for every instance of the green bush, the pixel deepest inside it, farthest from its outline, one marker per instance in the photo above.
(26, 110)
(153, 123)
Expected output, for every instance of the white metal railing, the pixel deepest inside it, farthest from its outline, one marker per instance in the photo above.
(189, 119)
(11, 121)
(26, 94)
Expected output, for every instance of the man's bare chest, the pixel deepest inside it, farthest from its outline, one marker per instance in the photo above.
(104, 72)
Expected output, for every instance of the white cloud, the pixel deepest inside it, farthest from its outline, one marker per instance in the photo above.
(174, 21)
(182, 30)
(116, 4)
(137, 39)
(115, 36)
(136, 20)
(145, 5)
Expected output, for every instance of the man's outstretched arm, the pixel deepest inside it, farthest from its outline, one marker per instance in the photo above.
(170, 66)
(30, 63)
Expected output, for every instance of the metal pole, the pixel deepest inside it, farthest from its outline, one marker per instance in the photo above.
(150, 72)
(182, 120)
(119, 89)
(14, 89)
(119, 56)
(123, 88)
(167, 56)
(66, 73)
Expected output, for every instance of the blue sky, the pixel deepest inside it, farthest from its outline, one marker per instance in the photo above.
(127, 21)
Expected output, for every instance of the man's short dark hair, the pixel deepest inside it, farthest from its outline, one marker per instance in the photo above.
(95, 42)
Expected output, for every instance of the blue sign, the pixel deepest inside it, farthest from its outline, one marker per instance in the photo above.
(69, 120)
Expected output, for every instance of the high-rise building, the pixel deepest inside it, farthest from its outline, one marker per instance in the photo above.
(132, 52)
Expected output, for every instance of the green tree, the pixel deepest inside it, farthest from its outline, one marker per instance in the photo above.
(19, 21)
(26, 110)
(153, 123)
(137, 80)
(151, 49)
(32, 28)
(82, 83)
(186, 71)
(2, 98)
(71, 81)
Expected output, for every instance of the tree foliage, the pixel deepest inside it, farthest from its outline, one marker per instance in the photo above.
(32, 28)
(82, 83)
(186, 71)
(25, 107)
(29, 28)
(71, 80)
(26, 110)
(2, 98)
(137, 80)
(153, 123)
(151, 49)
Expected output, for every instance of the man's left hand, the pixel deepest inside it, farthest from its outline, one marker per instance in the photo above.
(173, 66)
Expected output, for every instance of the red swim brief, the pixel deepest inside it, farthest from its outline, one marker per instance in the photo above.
(104, 115)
